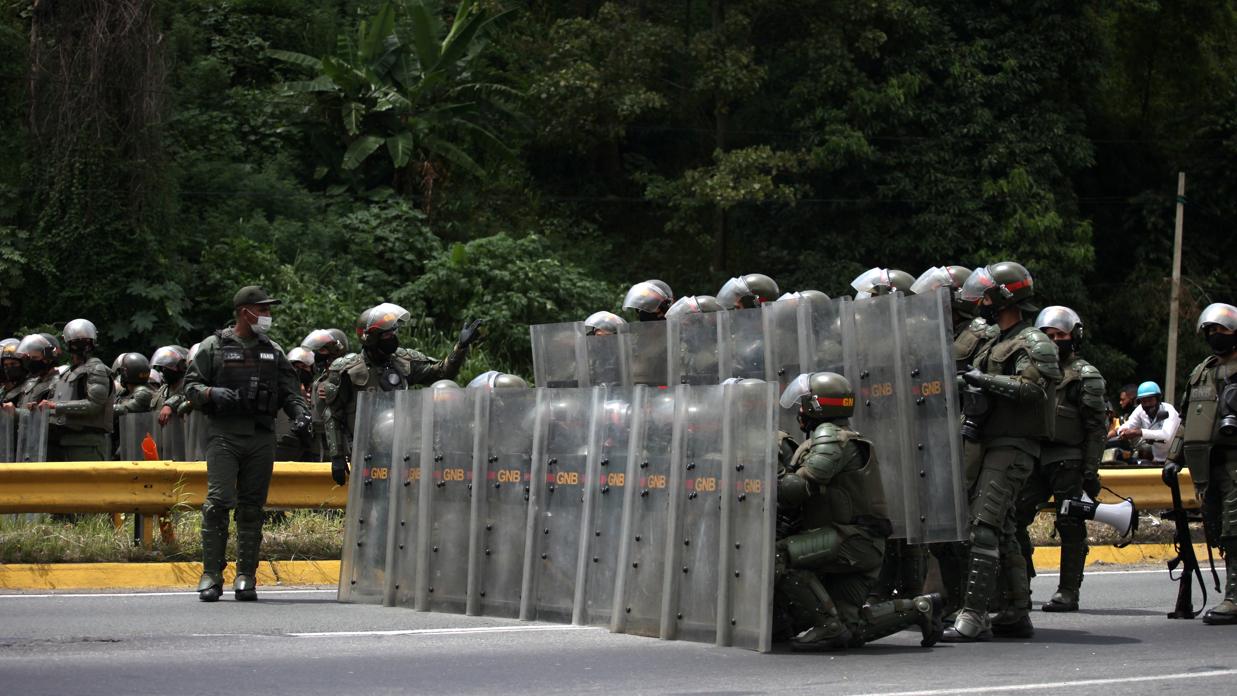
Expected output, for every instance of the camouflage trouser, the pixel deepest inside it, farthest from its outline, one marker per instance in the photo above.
(994, 550)
(847, 573)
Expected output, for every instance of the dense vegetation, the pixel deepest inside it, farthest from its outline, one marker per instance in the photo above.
(524, 161)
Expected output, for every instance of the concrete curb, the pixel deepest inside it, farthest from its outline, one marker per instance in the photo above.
(102, 576)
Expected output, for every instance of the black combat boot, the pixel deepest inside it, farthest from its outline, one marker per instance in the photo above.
(214, 549)
(248, 545)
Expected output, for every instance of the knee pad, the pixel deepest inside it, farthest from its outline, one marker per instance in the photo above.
(985, 537)
(248, 516)
(994, 500)
(214, 516)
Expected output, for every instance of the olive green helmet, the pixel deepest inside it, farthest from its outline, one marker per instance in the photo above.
(875, 282)
(952, 277)
(809, 295)
(692, 304)
(1007, 284)
(746, 291)
(380, 319)
(650, 299)
(1062, 319)
(603, 324)
(172, 358)
(134, 369)
(497, 380)
(820, 396)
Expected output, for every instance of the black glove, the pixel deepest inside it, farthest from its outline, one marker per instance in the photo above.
(471, 333)
(225, 400)
(339, 469)
(304, 424)
(1091, 486)
(973, 377)
(1170, 472)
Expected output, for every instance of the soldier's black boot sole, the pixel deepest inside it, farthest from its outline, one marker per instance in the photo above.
(1022, 628)
(1055, 606)
(1215, 618)
(211, 594)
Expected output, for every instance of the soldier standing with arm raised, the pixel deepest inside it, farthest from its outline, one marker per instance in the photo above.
(240, 379)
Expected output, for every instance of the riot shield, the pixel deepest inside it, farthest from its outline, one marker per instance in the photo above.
(197, 433)
(558, 359)
(941, 500)
(781, 327)
(135, 430)
(697, 347)
(446, 503)
(606, 361)
(646, 513)
(822, 341)
(647, 358)
(877, 374)
(748, 514)
(693, 537)
(31, 435)
(557, 503)
(362, 570)
(747, 347)
(614, 422)
(404, 493)
(8, 436)
(170, 439)
(498, 543)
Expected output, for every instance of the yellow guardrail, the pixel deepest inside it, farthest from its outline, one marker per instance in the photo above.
(1146, 488)
(149, 487)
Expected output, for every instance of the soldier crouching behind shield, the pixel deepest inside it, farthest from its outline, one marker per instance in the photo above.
(832, 528)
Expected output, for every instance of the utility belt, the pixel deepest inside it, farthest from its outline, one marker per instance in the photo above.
(878, 526)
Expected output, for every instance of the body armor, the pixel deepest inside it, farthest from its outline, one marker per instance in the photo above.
(1079, 414)
(252, 372)
(1201, 429)
(75, 409)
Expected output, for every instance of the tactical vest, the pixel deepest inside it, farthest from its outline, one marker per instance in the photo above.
(36, 389)
(252, 372)
(970, 341)
(366, 376)
(1008, 419)
(855, 495)
(1202, 414)
(71, 386)
(1068, 429)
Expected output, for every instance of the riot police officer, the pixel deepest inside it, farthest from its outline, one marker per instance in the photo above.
(1069, 460)
(38, 355)
(1207, 442)
(833, 526)
(952, 277)
(80, 405)
(603, 324)
(381, 365)
(1015, 374)
(649, 300)
(327, 345)
(135, 395)
(747, 291)
(14, 374)
(882, 281)
(240, 379)
(291, 446)
(171, 362)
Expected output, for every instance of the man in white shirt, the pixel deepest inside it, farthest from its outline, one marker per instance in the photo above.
(1154, 421)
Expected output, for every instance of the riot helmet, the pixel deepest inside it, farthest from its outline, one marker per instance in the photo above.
(952, 277)
(746, 291)
(1005, 284)
(378, 327)
(691, 304)
(115, 371)
(134, 369)
(877, 281)
(497, 380)
(820, 397)
(1218, 324)
(156, 379)
(445, 384)
(37, 353)
(302, 360)
(1065, 320)
(11, 363)
(603, 324)
(326, 345)
(811, 295)
(80, 336)
(650, 300)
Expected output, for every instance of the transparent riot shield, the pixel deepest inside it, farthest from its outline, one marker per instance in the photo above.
(362, 570)
(31, 435)
(822, 342)
(646, 514)
(693, 536)
(502, 497)
(557, 503)
(137, 437)
(197, 432)
(606, 361)
(748, 514)
(878, 376)
(171, 440)
(698, 349)
(941, 502)
(8, 436)
(446, 503)
(746, 344)
(404, 493)
(781, 327)
(647, 360)
(558, 358)
(615, 419)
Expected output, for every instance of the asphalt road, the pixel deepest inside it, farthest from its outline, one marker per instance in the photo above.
(303, 642)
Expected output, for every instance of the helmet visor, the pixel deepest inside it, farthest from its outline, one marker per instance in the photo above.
(1219, 314)
(644, 297)
(732, 293)
(1057, 317)
(931, 279)
(795, 391)
(976, 285)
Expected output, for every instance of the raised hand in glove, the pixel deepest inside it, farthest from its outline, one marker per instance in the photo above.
(471, 333)
(224, 399)
(339, 469)
(1170, 472)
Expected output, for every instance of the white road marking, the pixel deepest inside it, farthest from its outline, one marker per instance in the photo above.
(178, 593)
(444, 631)
(1057, 685)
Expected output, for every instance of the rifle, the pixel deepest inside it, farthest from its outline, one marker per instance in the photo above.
(1185, 555)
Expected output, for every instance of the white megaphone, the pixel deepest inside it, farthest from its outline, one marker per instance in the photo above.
(1122, 516)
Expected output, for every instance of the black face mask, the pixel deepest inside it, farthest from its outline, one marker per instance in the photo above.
(386, 346)
(1065, 348)
(988, 313)
(647, 316)
(34, 367)
(172, 376)
(14, 373)
(1222, 344)
(307, 377)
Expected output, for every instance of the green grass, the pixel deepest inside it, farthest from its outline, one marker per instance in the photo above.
(300, 535)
